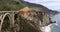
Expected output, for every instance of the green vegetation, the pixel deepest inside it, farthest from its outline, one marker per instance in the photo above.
(8, 5)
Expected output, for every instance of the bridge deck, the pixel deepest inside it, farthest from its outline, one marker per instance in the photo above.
(9, 11)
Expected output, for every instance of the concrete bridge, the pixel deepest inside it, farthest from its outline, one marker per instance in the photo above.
(10, 15)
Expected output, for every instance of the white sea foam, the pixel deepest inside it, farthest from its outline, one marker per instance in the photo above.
(56, 24)
(48, 29)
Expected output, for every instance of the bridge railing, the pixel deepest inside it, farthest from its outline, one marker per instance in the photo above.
(9, 11)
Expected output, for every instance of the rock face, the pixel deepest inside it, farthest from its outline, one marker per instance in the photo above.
(32, 21)
(29, 21)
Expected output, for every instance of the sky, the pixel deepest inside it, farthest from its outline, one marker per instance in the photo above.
(51, 4)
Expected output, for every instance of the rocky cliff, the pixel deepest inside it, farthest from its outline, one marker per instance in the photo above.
(28, 21)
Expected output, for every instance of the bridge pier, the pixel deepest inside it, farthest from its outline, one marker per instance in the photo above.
(12, 20)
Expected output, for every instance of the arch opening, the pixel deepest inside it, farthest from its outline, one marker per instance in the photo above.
(6, 23)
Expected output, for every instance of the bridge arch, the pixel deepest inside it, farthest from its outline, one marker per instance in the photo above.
(9, 19)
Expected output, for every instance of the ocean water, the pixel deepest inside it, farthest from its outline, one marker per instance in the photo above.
(56, 26)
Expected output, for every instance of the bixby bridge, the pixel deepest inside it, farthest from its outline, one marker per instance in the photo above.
(10, 15)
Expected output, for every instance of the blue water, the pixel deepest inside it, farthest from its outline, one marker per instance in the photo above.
(56, 26)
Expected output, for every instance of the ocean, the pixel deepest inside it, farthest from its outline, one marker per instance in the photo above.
(56, 26)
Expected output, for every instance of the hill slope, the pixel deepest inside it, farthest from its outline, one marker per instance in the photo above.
(39, 7)
(9, 5)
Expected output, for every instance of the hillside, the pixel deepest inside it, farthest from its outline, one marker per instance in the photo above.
(39, 7)
(7, 5)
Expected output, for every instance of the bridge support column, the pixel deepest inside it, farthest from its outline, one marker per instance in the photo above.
(12, 20)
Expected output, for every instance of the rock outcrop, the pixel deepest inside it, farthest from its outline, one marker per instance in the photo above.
(32, 20)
